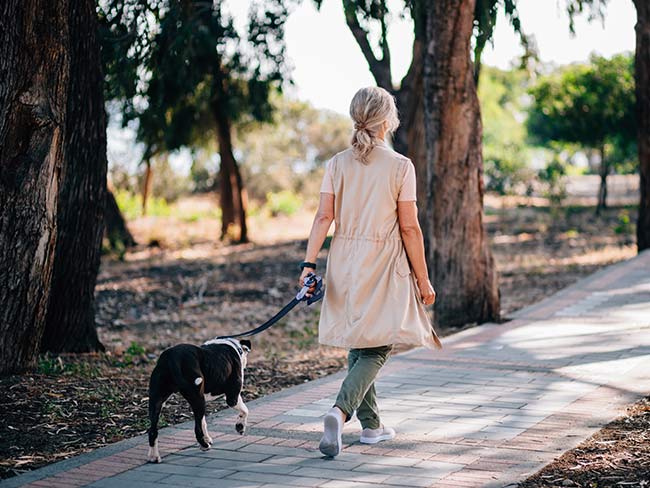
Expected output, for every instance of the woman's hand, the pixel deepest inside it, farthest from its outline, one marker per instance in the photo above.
(427, 293)
(301, 280)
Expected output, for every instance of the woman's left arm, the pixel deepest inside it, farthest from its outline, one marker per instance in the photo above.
(320, 227)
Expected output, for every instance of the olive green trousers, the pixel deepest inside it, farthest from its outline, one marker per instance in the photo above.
(358, 389)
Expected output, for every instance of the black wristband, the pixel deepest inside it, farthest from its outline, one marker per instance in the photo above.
(307, 264)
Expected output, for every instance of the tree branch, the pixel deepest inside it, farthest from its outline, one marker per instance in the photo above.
(380, 68)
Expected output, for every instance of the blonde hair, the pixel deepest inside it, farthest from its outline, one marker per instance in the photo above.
(369, 109)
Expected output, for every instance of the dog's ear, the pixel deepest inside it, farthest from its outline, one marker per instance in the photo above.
(246, 344)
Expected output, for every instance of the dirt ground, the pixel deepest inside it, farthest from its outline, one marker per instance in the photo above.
(616, 456)
(189, 288)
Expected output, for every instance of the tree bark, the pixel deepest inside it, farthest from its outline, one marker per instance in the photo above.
(146, 186)
(603, 171)
(116, 230)
(34, 84)
(232, 194)
(642, 79)
(458, 253)
(70, 321)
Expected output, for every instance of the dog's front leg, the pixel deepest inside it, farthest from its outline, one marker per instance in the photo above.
(242, 420)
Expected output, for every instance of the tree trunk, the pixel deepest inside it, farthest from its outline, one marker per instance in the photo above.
(232, 195)
(146, 187)
(34, 67)
(603, 170)
(117, 232)
(457, 248)
(70, 321)
(642, 78)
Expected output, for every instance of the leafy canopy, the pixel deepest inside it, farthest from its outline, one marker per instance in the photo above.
(173, 64)
(587, 104)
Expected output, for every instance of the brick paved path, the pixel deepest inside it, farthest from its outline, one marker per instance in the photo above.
(497, 404)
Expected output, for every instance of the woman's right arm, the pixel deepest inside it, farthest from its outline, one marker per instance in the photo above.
(407, 214)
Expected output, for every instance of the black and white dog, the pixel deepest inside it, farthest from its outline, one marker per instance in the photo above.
(199, 374)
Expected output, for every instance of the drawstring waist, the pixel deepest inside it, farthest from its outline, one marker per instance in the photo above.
(354, 237)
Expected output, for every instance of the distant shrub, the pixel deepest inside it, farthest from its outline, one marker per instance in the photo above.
(624, 225)
(553, 178)
(283, 202)
(131, 205)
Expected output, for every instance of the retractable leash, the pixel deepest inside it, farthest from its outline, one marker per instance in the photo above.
(310, 280)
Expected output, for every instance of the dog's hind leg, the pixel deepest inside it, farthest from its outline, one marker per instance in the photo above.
(156, 400)
(206, 434)
(197, 402)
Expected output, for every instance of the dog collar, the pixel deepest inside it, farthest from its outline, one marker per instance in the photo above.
(231, 342)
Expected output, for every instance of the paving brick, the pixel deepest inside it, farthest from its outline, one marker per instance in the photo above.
(333, 474)
(285, 480)
(190, 481)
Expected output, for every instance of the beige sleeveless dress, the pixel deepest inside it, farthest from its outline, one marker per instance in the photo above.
(371, 297)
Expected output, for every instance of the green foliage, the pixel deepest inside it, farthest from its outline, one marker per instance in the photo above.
(624, 225)
(177, 67)
(552, 175)
(289, 152)
(485, 19)
(505, 152)
(284, 202)
(588, 104)
(131, 205)
(133, 354)
(55, 365)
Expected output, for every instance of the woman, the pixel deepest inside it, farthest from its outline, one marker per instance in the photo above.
(377, 278)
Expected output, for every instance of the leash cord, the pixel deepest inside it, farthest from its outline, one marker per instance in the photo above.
(310, 280)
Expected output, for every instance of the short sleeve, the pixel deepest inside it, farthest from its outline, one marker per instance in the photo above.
(407, 191)
(327, 186)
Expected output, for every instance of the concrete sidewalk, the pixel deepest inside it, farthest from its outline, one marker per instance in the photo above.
(498, 403)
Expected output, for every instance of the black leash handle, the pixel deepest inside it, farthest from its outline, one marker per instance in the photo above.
(310, 280)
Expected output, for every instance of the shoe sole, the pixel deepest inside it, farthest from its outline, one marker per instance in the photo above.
(375, 440)
(330, 444)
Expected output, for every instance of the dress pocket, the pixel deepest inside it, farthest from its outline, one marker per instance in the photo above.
(402, 267)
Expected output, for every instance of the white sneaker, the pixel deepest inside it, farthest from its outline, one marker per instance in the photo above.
(373, 436)
(331, 443)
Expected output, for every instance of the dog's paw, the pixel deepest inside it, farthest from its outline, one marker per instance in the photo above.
(204, 444)
(240, 428)
(153, 456)
(209, 440)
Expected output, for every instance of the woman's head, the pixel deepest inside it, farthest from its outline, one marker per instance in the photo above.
(374, 113)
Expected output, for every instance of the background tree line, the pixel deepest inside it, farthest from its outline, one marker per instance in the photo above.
(184, 73)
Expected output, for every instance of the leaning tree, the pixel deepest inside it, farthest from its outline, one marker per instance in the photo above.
(51, 184)
(185, 73)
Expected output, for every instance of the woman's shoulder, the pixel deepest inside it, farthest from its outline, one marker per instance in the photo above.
(388, 151)
(397, 159)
